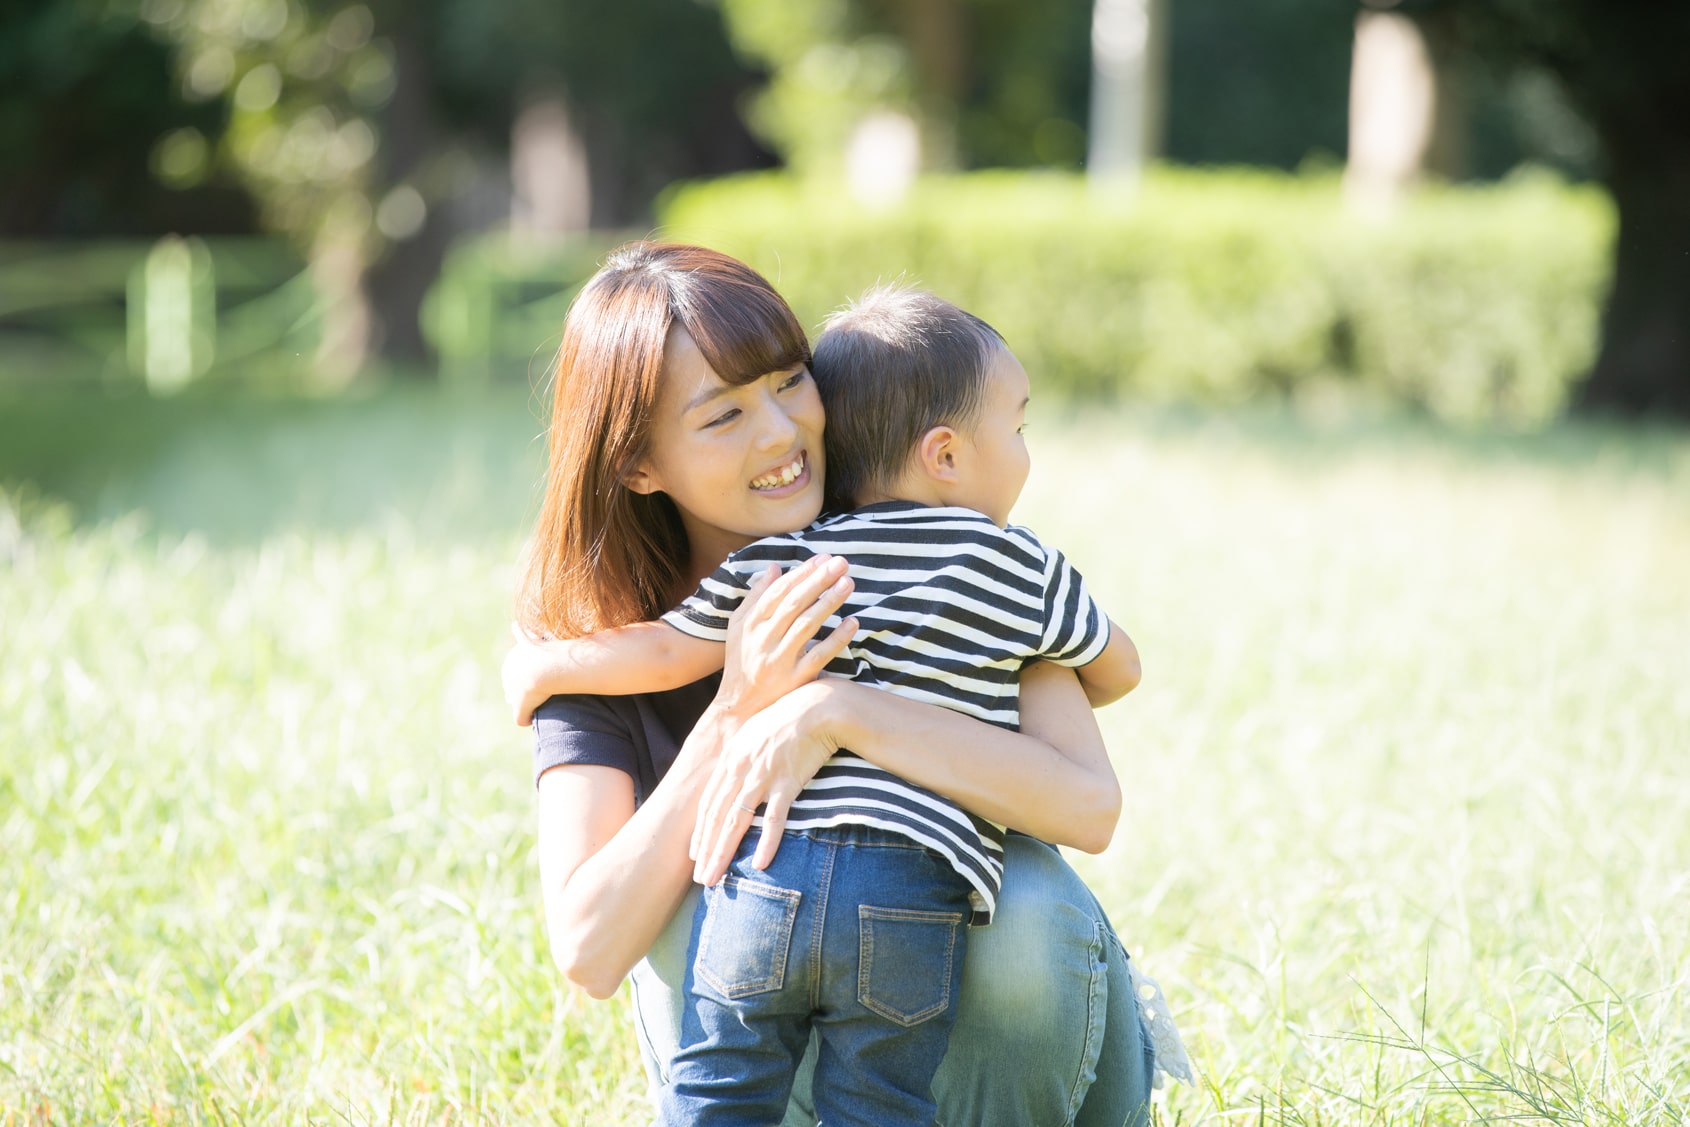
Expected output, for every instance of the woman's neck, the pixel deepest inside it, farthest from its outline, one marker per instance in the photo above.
(706, 549)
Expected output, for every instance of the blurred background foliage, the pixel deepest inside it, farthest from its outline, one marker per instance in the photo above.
(436, 176)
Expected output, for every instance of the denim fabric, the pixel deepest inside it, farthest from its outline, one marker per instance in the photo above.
(1047, 1030)
(853, 932)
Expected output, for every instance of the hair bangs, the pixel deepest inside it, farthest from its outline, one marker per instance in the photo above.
(743, 329)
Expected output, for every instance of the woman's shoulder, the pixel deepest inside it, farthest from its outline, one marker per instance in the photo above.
(640, 733)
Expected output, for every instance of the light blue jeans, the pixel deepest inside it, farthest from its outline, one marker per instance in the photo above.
(1047, 1032)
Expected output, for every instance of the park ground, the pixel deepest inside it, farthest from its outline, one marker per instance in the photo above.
(1407, 801)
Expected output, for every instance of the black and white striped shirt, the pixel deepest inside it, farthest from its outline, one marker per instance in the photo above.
(949, 607)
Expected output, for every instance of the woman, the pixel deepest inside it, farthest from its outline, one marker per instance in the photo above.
(684, 426)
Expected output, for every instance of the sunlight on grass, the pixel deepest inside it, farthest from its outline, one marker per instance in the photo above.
(1407, 793)
(1407, 799)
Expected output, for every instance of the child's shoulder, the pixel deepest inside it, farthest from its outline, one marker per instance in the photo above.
(896, 520)
(1024, 534)
(937, 525)
(1026, 540)
(780, 547)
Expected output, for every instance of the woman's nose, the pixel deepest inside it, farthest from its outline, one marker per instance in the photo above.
(777, 430)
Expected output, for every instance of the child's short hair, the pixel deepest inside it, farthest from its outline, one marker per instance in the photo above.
(891, 366)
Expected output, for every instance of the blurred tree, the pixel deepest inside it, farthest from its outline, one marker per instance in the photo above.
(1258, 83)
(1623, 67)
(301, 84)
(988, 82)
(653, 87)
(1268, 83)
(1026, 105)
(85, 98)
(1396, 101)
(363, 127)
(831, 63)
(1129, 41)
(304, 84)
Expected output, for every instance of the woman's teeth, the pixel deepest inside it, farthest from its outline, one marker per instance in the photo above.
(786, 475)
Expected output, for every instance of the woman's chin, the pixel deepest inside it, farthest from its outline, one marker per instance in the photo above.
(788, 508)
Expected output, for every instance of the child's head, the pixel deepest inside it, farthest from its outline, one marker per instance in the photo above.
(912, 384)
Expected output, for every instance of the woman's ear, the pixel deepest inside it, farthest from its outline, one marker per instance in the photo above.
(936, 453)
(641, 480)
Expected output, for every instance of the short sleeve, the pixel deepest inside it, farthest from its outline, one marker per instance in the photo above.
(1076, 629)
(575, 730)
(705, 612)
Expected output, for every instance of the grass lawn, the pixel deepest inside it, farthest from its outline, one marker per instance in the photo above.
(1407, 826)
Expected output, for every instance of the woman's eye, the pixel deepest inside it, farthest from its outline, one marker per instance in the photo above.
(724, 417)
(794, 379)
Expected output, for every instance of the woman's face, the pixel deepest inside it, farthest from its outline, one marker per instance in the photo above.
(739, 462)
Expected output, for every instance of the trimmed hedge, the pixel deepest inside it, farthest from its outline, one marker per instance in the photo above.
(1472, 302)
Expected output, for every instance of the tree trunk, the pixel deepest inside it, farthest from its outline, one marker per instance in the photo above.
(551, 185)
(1393, 110)
(1128, 75)
(337, 272)
(396, 282)
(1622, 64)
(1644, 362)
(936, 33)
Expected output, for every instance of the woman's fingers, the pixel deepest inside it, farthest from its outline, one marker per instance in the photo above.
(769, 760)
(723, 817)
(815, 659)
(722, 841)
(709, 814)
(774, 824)
(810, 619)
(725, 813)
(759, 588)
(798, 591)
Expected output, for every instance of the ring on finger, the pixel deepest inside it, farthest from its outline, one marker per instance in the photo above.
(747, 809)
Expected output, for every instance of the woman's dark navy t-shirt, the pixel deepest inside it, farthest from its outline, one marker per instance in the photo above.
(639, 734)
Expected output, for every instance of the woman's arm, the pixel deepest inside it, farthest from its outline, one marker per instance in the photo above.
(1052, 779)
(612, 874)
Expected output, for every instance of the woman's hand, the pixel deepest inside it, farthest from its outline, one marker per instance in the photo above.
(770, 648)
(772, 757)
(772, 654)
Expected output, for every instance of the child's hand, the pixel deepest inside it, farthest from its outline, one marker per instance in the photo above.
(526, 675)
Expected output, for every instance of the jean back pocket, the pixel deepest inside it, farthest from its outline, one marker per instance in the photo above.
(906, 961)
(747, 931)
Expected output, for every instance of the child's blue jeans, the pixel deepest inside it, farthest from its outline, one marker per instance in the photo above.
(856, 932)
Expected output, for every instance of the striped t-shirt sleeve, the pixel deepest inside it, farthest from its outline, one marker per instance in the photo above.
(705, 612)
(1076, 629)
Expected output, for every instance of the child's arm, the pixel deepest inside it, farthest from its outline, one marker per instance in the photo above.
(644, 657)
(1113, 673)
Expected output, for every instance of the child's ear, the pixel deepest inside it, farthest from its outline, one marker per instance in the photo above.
(936, 453)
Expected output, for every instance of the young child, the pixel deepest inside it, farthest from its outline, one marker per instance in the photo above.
(857, 925)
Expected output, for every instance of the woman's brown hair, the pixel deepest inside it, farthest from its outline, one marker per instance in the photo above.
(601, 554)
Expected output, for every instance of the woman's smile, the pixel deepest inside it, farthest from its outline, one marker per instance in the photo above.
(790, 477)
